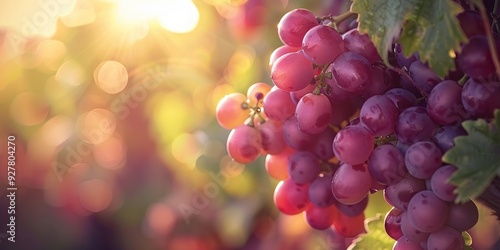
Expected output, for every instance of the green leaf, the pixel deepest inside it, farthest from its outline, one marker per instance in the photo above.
(375, 238)
(429, 27)
(467, 238)
(477, 157)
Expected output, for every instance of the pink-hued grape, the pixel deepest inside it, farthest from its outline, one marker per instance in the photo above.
(273, 141)
(352, 72)
(353, 144)
(313, 113)
(426, 212)
(422, 159)
(414, 124)
(351, 183)
(278, 105)
(400, 193)
(230, 113)
(244, 144)
(440, 185)
(292, 72)
(291, 198)
(294, 25)
(446, 238)
(361, 44)
(379, 115)
(280, 51)
(321, 218)
(322, 44)
(392, 223)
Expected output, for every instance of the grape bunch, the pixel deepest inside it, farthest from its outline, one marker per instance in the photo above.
(339, 124)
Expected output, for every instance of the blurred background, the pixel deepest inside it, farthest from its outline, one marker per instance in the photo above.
(112, 105)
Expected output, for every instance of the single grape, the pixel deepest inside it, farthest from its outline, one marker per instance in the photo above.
(386, 164)
(414, 124)
(423, 76)
(444, 104)
(471, 23)
(256, 93)
(333, 91)
(352, 72)
(296, 138)
(401, 98)
(280, 51)
(313, 113)
(321, 218)
(402, 60)
(400, 193)
(392, 223)
(244, 144)
(379, 115)
(475, 59)
(294, 25)
(351, 183)
(462, 217)
(445, 135)
(320, 191)
(322, 44)
(303, 167)
(273, 141)
(292, 72)
(277, 165)
(278, 105)
(480, 99)
(404, 243)
(410, 231)
(446, 238)
(291, 198)
(230, 112)
(440, 185)
(353, 144)
(349, 226)
(382, 82)
(353, 209)
(427, 212)
(422, 159)
(361, 44)
(322, 147)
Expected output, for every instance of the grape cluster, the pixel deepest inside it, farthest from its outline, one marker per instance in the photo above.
(340, 124)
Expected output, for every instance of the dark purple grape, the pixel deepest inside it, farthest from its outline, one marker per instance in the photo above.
(295, 138)
(400, 193)
(423, 76)
(353, 209)
(480, 99)
(445, 135)
(353, 144)
(392, 223)
(401, 98)
(446, 238)
(404, 243)
(320, 191)
(440, 185)
(361, 44)
(462, 217)
(352, 72)
(402, 60)
(386, 164)
(322, 147)
(414, 124)
(303, 167)
(422, 159)
(382, 81)
(294, 25)
(444, 104)
(475, 59)
(320, 218)
(471, 23)
(426, 212)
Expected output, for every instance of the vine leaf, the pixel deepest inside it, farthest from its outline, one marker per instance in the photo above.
(424, 26)
(477, 157)
(375, 238)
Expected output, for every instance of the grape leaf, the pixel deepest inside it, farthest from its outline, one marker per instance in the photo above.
(428, 27)
(477, 157)
(467, 238)
(375, 238)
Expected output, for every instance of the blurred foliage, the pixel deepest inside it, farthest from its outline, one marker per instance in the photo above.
(112, 104)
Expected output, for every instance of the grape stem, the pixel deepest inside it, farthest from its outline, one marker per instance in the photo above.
(487, 28)
(337, 19)
(386, 139)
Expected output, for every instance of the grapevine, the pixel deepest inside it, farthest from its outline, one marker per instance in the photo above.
(387, 105)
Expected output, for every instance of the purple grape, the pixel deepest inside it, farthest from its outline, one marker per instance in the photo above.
(440, 185)
(400, 193)
(322, 147)
(303, 167)
(382, 81)
(403, 61)
(427, 212)
(351, 183)
(322, 44)
(379, 115)
(392, 223)
(401, 98)
(278, 105)
(471, 23)
(444, 104)
(422, 159)
(296, 95)
(320, 191)
(352, 72)
(475, 59)
(353, 144)
(295, 138)
(386, 164)
(404, 243)
(334, 91)
(313, 113)
(481, 99)
(294, 25)
(273, 141)
(361, 44)
(423, 76)
(462, 217)
(446, 238)
(410, 231)
(292, 72)
(320, 218)
(445, 135)
(414, 124)
(280, 51)
(353, 209)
